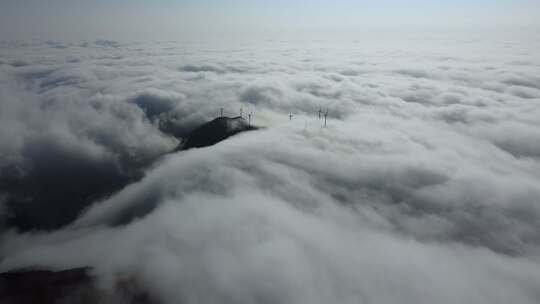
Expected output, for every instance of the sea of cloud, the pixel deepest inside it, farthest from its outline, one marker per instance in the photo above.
(424, 187)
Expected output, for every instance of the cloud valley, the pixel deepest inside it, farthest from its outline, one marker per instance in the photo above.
(424, 186)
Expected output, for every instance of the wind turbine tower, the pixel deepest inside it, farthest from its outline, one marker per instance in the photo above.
(325, 115)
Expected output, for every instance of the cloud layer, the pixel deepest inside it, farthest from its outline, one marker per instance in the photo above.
(424, 187)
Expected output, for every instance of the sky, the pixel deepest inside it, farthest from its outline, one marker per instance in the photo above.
(169, 20)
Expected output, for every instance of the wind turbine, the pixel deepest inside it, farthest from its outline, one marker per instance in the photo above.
(325, 115)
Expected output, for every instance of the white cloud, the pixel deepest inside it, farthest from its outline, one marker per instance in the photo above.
(424, 186)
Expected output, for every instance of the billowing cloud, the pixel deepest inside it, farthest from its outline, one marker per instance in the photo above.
(423, 187)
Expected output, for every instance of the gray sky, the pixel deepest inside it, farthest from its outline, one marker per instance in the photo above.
(167, 19)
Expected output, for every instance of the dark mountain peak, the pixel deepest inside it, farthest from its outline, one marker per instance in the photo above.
(215, 131)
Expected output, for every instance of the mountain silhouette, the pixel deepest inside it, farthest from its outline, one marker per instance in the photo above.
(76, 285)
(215, 131)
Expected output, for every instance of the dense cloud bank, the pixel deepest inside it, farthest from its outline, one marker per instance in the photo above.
(423, 188)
